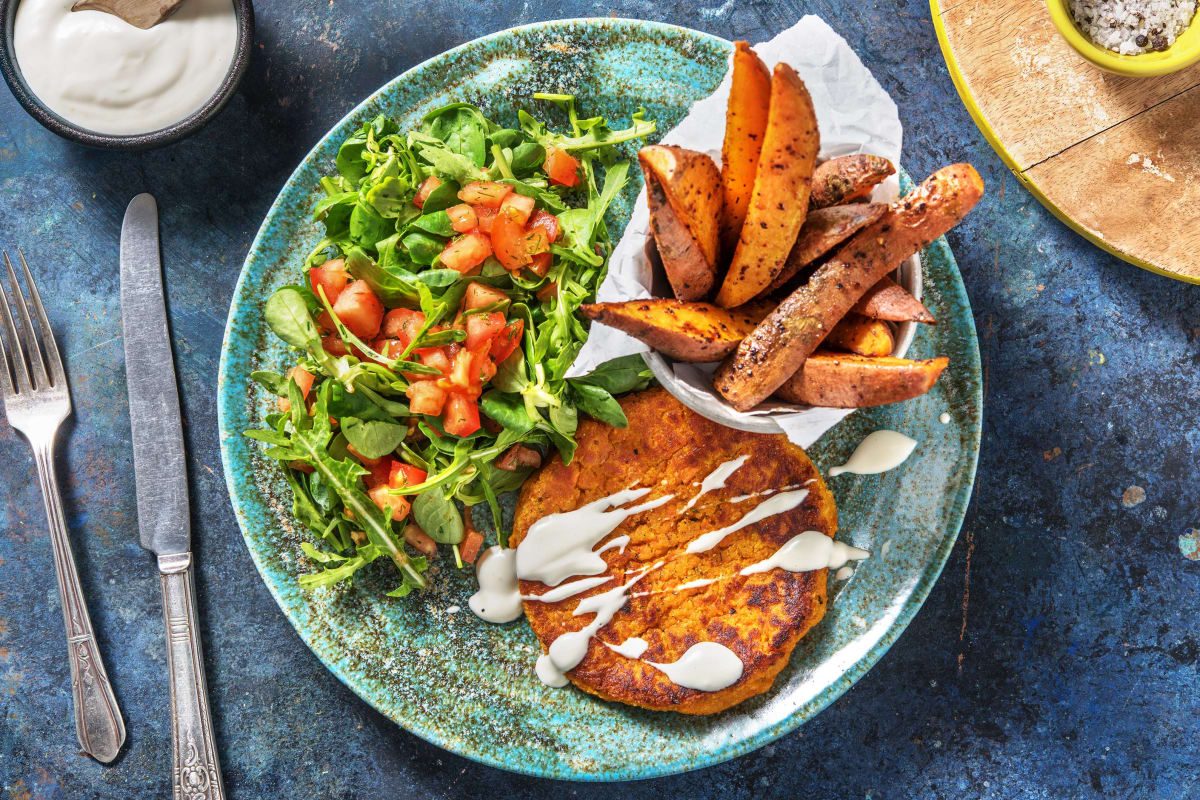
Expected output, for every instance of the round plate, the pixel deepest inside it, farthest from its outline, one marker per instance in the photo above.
(469, 687)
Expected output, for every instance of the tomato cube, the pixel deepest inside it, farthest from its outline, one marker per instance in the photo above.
(561, 166)
(425, 397)
(460, 416)
(478, 295)
(507, 341)
(389, 503)
(484, 193)
(406, 475)
(303, 378)
(536, 242)
(426, 189)
(517, 207)
(508, 243)
(462, 375)
(482, 328)
(403, 324)
(435, 357)
(466, 252)
(547, 222)
(462, 217)
(540, 264)
(334, 345)
(484, 217)
(330, 276)
(359, 310)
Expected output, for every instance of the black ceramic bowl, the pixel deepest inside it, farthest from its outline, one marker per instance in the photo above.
(140, 141)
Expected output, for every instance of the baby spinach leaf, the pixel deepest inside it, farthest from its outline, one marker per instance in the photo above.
(618, 375)
(389, 197)
(599, 403)
(527, 157)
(441, 198)
(423, 248)
(373, 438)
(507, 409)
(439, 517)
(273, 382)
(462, 127)
(367, 227)
(437, 223)
(287, 314)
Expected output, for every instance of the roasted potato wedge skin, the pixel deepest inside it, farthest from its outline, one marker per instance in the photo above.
(823, 230)
(888, 300)
(692, 184)
(777, 348)
(690, 274)
(779, 200)
(845, 179)
(855, 333)
(835, 380)
(696, 332)
(745, 124)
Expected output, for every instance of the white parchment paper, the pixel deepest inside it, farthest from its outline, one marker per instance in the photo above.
(855, 115)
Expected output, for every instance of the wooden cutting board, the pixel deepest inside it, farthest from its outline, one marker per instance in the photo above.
(1115, 158)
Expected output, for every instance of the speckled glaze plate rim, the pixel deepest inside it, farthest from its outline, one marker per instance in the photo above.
(230, 395)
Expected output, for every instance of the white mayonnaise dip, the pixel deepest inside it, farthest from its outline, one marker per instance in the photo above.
(879, 452)
(498, 599)
(99, 72)
(705, 666)
(806, 552)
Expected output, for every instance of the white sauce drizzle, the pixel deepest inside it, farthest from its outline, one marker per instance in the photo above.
(696, 584)
(630, 648)
(498, 599)
(706, 666)
(844, 573)
(784, 501)
(568, 589)
(806, 552)
(716, 479)
(879, 452)
(944, 418)
(559, 546)
(548, 673)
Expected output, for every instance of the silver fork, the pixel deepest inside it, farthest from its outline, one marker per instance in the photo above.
(37, 400)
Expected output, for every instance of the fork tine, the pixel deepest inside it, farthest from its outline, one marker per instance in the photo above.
(57, 376)
(32, 351)
(19, 373)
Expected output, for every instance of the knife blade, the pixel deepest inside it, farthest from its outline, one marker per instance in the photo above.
(159, 465)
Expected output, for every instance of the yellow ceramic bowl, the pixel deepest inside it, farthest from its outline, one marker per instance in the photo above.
(1183, 53)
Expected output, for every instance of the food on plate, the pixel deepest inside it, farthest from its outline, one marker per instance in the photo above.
(823, 230)
(888, 300)
(1132, 27)
(855, 333)
(847, 179)
(711, 514)
(778, 347)
(432, 328)
(745, 124)
(683, 188)
(684, 331)
(838, 380)
(779, 199)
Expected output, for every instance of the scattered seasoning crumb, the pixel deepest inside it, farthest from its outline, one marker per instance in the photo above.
(1132, 27)
(452, 609)
(1132, 496)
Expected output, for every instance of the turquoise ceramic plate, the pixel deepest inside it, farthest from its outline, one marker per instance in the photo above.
(468, 686)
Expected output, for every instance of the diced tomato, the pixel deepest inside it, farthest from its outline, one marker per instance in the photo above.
(462, 217)
(517, 207)
(426, 397)
(484, 217)
(462, 377)
(485, 368)
(460, 416)
(561, 166)
(334, 345)
(303, 378)
(484, 193)
(388, 348)
(508, 243)
(426, 189)
(482, 328)
(301, 466)
(325, 322)
(548, 292)
(330, 276)
(403, 324)
(382, 496)
(466, 252)
(479, 295)
(540, 264)
(369, 462)
(507, 341)
(406, 475)
(547, 222)
(434, 357)
(536, 242)
(359, 310)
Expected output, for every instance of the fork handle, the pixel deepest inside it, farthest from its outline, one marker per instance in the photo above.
(195, 770)
(98, 721)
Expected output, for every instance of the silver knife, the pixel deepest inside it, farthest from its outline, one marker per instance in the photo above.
(160, 469)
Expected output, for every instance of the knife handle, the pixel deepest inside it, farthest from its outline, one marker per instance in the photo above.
(195, 770)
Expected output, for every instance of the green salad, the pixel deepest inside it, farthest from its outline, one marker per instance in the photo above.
(433, 328)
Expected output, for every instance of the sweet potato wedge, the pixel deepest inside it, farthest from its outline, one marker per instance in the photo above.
(823, 230)
(779, 200)
(842, 180)
(683, 189)
(834, 380)
(745, 124)
(682, 331)
(888, 300)
(858, 334)
(777, 348)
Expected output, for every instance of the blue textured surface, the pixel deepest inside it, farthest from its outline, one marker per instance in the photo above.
(1056, 657)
